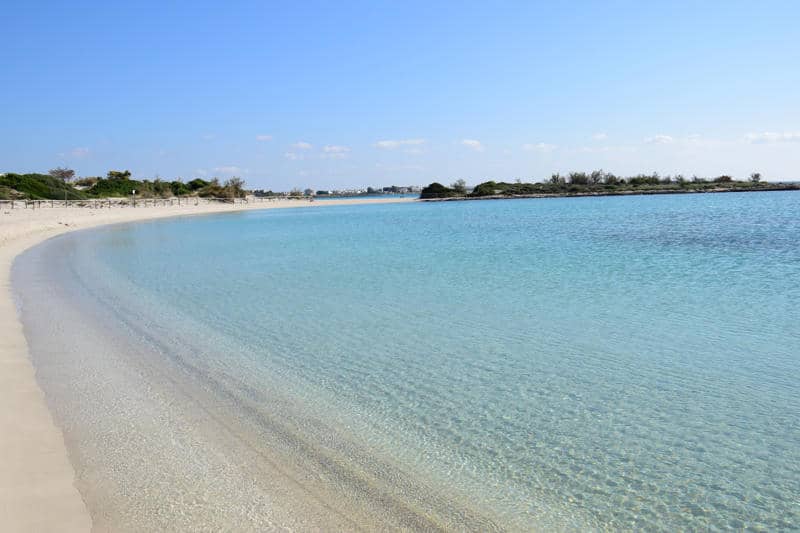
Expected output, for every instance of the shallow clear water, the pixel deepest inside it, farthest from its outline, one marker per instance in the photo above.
(606, 363)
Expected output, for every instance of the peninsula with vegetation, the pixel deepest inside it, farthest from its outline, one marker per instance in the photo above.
(600, 183)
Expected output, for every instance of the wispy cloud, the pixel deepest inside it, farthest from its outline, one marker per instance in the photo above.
(392, 144)
(659, 139)
(302, 145)
(600, 136)
(334, 151)
(473, 144)
(772, 137)
(231, 169)
(263, 138)
(209, 136)
(291, 156)
(539, 147)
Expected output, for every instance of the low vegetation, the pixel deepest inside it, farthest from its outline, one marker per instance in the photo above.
(56, 185)
(437, 190)
(600, 183)
(37, 187)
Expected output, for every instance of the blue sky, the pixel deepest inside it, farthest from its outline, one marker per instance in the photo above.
(326, 94)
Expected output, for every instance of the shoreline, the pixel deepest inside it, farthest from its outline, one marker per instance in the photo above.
(37, 489)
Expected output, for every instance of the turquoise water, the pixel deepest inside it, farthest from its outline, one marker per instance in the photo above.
(362, 196)
(605, 363)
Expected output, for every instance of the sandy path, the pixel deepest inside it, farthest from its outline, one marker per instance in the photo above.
(37, 491)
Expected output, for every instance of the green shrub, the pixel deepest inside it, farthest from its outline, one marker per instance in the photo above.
(437, 190)
(40, 187)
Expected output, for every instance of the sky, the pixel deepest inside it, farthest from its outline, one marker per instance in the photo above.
(350, 94)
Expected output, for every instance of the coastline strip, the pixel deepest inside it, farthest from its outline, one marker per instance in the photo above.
(627, 192)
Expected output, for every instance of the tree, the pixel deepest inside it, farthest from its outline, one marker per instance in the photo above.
(755, 177)
(437, 190)
(65, 175)
(119, 175)
(578, 178)
(235, 187)
(460, 186)
(197, 184)
(161, 187)
(179, 188)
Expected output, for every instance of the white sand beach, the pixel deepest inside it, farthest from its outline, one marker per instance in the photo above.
(37, 491)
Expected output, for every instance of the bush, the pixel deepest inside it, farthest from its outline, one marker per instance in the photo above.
(212, 190)
(39, 187)
(487, 188)
(179, 188)
(86, 182)
(118, 187)
(437, 190)
(197, 184)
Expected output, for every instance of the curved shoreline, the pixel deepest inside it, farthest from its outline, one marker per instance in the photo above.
(37, 485)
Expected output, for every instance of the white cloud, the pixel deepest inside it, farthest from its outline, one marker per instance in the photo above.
(231, 169)
(391, 145)
(335, 149)
(302, 145)
(201, 172)
(772, 137)
(539, 147)
(659, 139)
(263, 138)
(473, 144)
(209, 136)
(600, 136)
(291, 156)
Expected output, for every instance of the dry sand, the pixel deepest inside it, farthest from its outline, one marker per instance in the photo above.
(37, 491)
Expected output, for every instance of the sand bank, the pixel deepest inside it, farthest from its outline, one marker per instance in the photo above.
(37, 491)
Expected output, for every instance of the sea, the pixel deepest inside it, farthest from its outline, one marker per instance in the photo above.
(563, 364)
